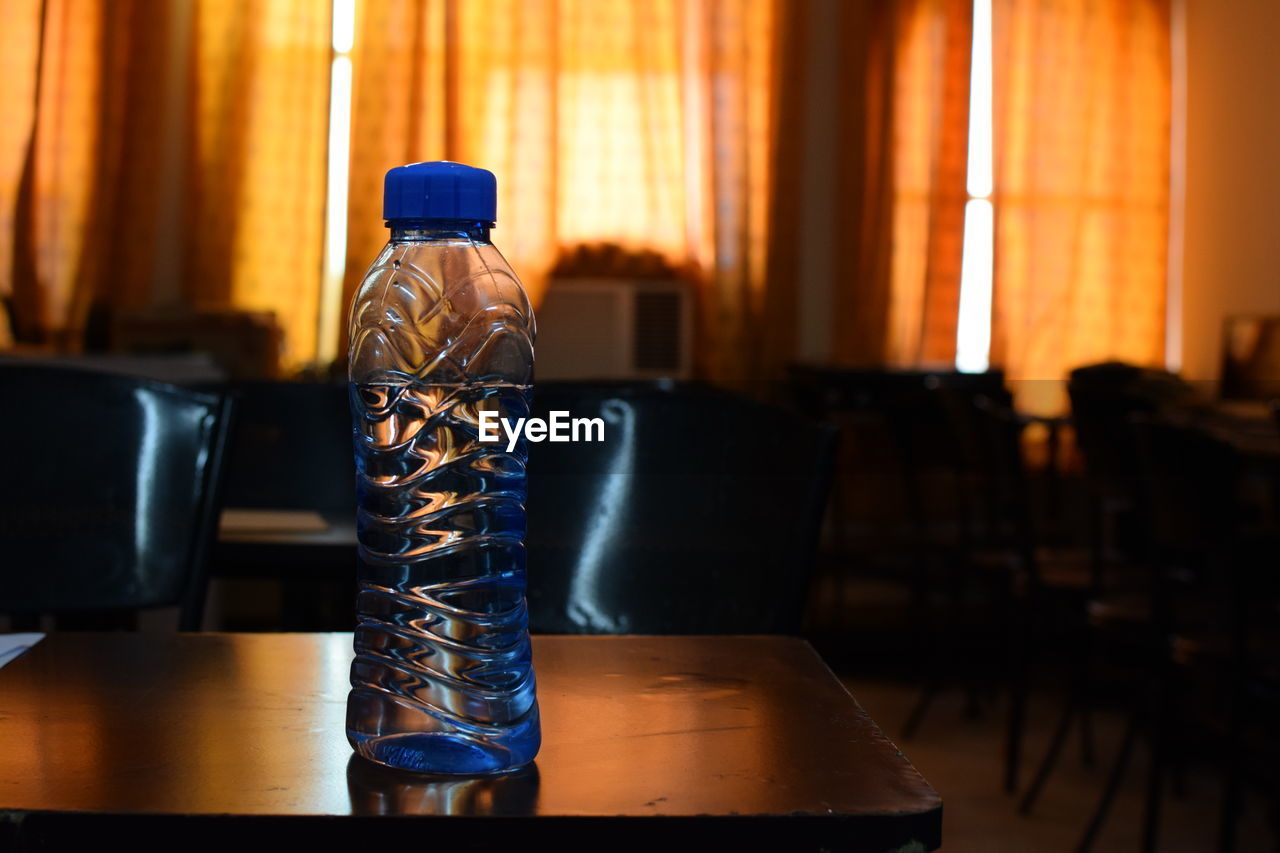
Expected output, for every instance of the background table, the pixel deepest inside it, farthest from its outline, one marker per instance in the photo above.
(314, 564)
(170, 741)
(326, 551)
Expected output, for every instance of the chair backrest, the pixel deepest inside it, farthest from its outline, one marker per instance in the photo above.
(1103, 398)
(291, 447)
(109, 494)
(698, 513)
(993, 479)
(1190, 478)
(1193, 517)
(915, 444)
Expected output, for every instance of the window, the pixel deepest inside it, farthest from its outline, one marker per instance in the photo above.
(973, 327)
(337, 179)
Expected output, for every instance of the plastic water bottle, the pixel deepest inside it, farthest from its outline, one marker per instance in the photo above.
(441, 330)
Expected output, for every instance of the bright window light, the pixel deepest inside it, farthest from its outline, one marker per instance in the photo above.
(344, 25)
(980, 123)
(973, 338)
(973, 326)
(339, 166)
(335, 226)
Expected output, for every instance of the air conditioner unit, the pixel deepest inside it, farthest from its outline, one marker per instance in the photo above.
(615, 328)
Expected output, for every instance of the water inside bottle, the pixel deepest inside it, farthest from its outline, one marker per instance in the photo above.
(442, 681)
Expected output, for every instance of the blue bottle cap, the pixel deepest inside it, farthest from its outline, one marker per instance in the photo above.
(440, 190)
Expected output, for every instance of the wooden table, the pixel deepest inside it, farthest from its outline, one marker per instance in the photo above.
(1247, 425)
(311, 554)
(325, 549)
(211, 740)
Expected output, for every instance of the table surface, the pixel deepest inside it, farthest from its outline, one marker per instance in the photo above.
(280, 527)
(1247, 425)
(719, 735)
(287, 552)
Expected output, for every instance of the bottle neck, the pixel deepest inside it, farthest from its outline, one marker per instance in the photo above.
(438, 230)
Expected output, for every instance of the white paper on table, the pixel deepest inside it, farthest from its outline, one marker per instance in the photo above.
(13, 645)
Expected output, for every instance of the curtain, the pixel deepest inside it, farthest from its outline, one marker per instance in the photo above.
(83, 184)
(53, 62)
(901, 226)
(644, 123)
(19, 50)
(1082, 104)
(256, 167)
(1081, 185)
(78, 193)
(126, 178)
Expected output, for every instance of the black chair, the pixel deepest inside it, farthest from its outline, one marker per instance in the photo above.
(1103, 398)
(1214, 606)
(906, 406)
(895, 514)
(1106, 401)
(1193, 619)
(291, 450)
(1031, 590)
(698, 513)
(110, 495)
(929, 500)
(1250, 748)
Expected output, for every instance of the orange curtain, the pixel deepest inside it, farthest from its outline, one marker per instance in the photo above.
(78, 153)
(83, 152)
(645, 123)
(19, 54)
(257, 162)
(1081, 197)
(906, 128)
(127, 176)
(54, 51)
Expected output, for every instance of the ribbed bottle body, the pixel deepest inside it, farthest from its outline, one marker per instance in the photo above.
(442, 680)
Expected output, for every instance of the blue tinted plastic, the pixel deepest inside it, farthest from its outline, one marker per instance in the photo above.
(443, 680)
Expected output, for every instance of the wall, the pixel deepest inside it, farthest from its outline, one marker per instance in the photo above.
(1231, 261)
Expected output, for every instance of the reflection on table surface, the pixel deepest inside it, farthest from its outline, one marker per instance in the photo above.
(634, 727)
